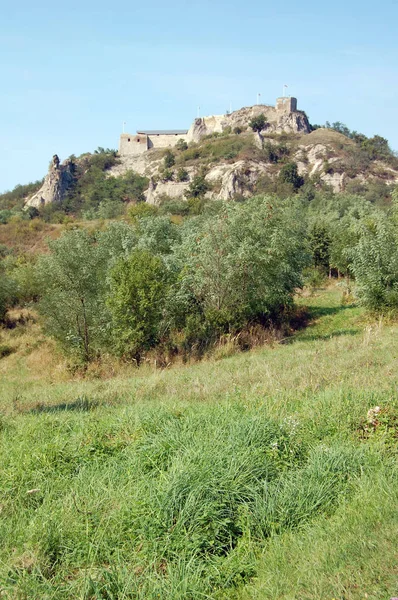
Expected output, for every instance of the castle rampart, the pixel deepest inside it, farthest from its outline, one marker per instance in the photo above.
(130, 145)
(284, 116)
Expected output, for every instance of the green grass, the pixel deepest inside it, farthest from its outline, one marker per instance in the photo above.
(256, 476)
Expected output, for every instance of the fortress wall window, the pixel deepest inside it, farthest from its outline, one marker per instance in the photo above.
(128, 139)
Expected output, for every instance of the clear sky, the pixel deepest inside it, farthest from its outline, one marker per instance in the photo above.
(72, 72)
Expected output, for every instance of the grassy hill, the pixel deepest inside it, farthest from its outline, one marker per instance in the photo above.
(258, 475)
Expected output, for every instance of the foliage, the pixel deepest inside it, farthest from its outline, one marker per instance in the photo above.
(169, 159)
(137, 287)
(239, 266)
(374, 148)
(94, 188)
(289, 174)
(16, 197)
(141, 209)
(5, 285)
(182, 174)
(319, 241)
(5, 216)
(73, 281)
(198, 187)
(275, 152)
(181, 145)
(167, 175)
(258, 123)
(374, 262)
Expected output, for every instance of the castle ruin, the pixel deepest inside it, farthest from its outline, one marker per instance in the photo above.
(284, 116)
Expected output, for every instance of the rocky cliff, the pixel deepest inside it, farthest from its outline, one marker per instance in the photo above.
(237, 162)
(59, 179)
(278, 121)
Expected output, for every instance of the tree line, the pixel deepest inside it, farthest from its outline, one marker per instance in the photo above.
(152, 283)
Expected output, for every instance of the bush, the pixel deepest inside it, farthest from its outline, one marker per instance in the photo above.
(169, 159)
(73, 284)
(289, 174)
(181, 145)
(258, 123)
(239, 265)
(198, 187)
(374, 262)
(141, 209)
(135, 300)
(167, 175)
(182, 175)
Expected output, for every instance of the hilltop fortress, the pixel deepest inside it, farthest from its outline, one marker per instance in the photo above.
(284, 116)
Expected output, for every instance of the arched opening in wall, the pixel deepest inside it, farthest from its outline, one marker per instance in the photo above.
(138, 139)
(128, 139)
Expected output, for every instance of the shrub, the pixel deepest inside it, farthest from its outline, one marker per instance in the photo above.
(198, 187)
(181, 145)
(258, 123)
(135, 300)
(167, 175)
(141, 209)
(5, 216)
(73, 278)
(169, 159)
(182, 174)
(374, 262)
(239, 265)
(319, 241)
(289, 174)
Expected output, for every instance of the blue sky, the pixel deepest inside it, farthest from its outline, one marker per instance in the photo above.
(72, 72)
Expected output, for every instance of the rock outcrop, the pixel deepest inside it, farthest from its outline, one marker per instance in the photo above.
(167, 189)
(59, 179)
(278, 121)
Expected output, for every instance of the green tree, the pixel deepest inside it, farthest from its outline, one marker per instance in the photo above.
(241, 264)
(167, 175)
(73, 281)
(258, 123)
(374, 262)
(6, 287)
(320, 241)
(137, 287)
(169, 159)
(198, 187)
(289, 174)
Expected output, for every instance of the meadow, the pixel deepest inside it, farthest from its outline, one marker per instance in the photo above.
(255, 475)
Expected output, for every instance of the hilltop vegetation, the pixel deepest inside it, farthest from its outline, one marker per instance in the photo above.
(330, 159)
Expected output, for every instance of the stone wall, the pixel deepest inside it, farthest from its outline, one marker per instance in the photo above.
(165, 140)
(286, 104)
(133, 144)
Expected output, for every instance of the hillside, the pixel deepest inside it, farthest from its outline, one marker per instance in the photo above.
(232, 478)
(254, 150)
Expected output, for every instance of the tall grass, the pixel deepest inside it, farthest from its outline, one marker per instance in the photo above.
(255, 476)
(88, 498)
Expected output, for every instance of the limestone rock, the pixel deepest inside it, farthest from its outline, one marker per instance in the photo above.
(278, 121)
(59, 179)
(238, 179)
(172, 189)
